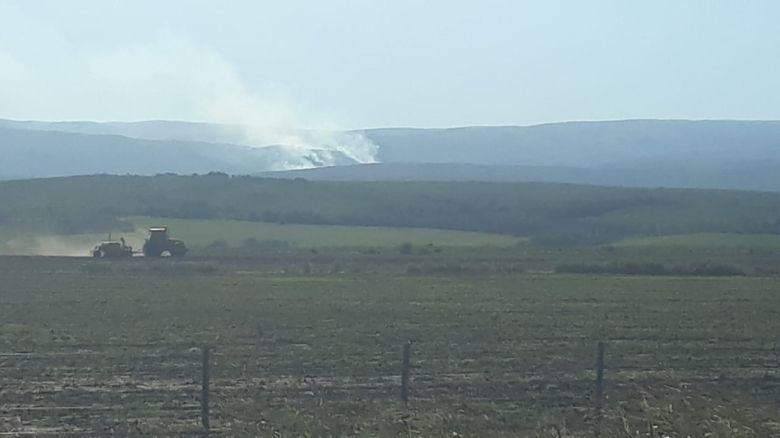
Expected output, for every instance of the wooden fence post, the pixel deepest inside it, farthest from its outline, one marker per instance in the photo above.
(405, 369)
(204, 389)
(599, 401)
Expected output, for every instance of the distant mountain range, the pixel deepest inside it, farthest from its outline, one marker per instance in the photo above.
(656, 153)
(36, 149)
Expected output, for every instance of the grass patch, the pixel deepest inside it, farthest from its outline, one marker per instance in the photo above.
(202, 233)
(651, 268)
(767, 241)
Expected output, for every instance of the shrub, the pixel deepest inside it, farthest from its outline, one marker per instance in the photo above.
(651, 268)
(453, 268)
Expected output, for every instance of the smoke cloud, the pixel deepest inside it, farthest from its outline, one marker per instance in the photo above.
(274, 121)
(166, 77)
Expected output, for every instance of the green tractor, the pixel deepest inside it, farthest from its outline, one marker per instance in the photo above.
(112, 249)
(158, 244)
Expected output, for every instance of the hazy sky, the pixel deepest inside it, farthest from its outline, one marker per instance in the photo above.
(376, 63)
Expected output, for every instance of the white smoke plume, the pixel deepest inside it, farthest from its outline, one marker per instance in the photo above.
(273, 121)
(203, 80)
(166, 77)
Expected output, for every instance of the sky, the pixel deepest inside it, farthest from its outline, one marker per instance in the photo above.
(381, 63)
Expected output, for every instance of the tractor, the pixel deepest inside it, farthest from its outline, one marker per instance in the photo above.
(112, 249)
(158, 243)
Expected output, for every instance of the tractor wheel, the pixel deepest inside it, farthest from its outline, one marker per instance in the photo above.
(152, 252)
(96, 254)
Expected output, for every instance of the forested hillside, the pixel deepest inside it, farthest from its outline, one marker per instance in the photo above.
(549, 212)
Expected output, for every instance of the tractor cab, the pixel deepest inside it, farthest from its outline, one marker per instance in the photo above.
(158, 233)
(159, 243)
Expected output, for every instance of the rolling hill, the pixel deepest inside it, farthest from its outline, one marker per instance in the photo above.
(751, 175)
(584, 144)
(634, 153)
(546, 212)
(29, 153)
